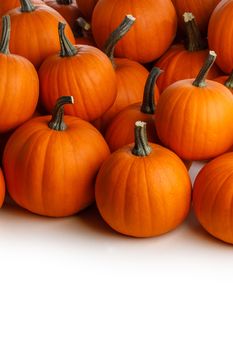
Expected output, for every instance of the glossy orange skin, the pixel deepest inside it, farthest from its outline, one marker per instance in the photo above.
(222, 79)
(88, 76)
(178, 63)
(220, 34)
(201, 9)
(6, 5)
(38, 34)
(86, 7)
(213, 197)
(150, 36)
(19, 91)
(143, 196)
(2, 188)
(69, 12)
(131, 78)
(196, 123)
(55, 170)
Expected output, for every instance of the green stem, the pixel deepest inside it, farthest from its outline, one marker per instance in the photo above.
(27, 6)
(64, 2)
(5, 39)
(229, 82)
(57, 122)
(148, 104)
(67, 48)
(141, 147)
(200, 79)
(195, 42)
(116, 35)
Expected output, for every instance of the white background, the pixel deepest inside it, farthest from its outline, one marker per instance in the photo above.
(75, 284)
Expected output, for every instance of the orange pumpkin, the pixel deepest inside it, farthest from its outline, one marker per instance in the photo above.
(213, 197)
(220, 34)
(150, 37)
(194, 117)
(226, 80)
(184, 61)
(19, 84)
(120, 131)
(6, 5)
(86, 7)
(37, 37)
(82, 71)
(143, 190)
(2, 188)
(50, 163)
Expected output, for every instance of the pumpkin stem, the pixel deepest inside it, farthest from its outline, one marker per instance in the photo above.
(67, 48)
(86, 26)
(200, 79)
(195, 42)
(148, 104)
(141, 147)
(5, 39)
(116, 35)
(27, 6)
(57, 122)
(64, 2)
(229, 81)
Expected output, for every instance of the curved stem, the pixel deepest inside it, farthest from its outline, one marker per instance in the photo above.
(27, 6)
(195, 42)
(200, 79)
(148, 104)
(116, 35)
(5, 39)
(64, 2)
(141, 147)
(67, 48)
(57, 122)
(229, 82)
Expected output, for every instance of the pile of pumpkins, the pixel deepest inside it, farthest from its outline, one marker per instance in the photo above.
(111, 101)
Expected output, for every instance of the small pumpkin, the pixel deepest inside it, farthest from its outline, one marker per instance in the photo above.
(7, 5)
(150, 37)
(213, 197)
(143, 190)
(82, 71)
(50, 163)
(226, 80)
(2, 188)
(194, 117)
(19, 84)
(86, 7)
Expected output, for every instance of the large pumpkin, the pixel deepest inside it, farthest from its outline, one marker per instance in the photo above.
(50, 163)
(86, 7)
(194, 117)
(19, 84)
(6, 5)
(82, 71)
(143, 190)
(213, 197)
(2, 188)
(220, 34)
(152, 34)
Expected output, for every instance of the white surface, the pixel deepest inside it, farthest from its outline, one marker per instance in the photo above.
(75, 284)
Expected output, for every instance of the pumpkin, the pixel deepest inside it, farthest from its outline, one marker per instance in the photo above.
(6, 5)
(226, 80)
(86, 7)
(183, 61)
(120, 131)
(37, 37)
(84, 34)
(220, 34)
(201, 9)
(131, 76)
(143, 190)
(194, 117)
(50, 163)
(82, 71)
(67, 9)
(150, 37)
(2, 188)
(213, 197)
(19, 84)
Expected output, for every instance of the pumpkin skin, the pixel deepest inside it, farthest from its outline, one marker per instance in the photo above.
(55, 170)
(195, 122)
(87, 74)
(226, 80)
(2, 188)
(7, 5)
(138, 195)
(200, 9)
(86, 7)
(220, 34)
(212, 197)
(37, 37)
(158, 21)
